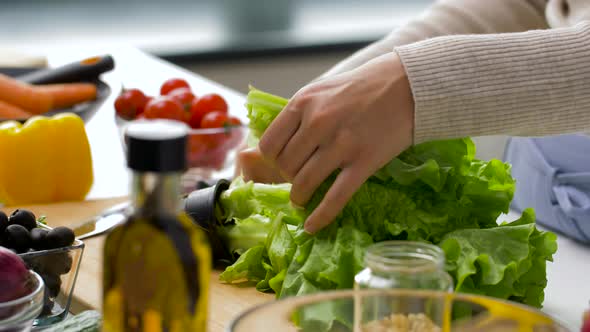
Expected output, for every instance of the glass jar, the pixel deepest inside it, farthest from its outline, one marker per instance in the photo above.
(404, 264)
(401, 265)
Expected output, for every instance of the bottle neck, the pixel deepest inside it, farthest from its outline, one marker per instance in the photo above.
(404, 257)
(156, 193)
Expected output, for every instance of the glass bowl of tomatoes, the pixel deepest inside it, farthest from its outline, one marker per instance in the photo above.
(212, 154)
(215, 136)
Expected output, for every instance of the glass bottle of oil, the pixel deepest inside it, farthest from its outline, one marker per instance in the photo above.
(157, 264)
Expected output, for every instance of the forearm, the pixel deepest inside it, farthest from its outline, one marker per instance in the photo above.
(452, 17)
(533, 83)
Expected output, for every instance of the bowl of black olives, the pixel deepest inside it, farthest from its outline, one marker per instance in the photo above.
(54, 253)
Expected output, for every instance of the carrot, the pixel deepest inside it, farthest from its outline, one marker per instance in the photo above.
(11, 112)
(24, 95)
(69, 94)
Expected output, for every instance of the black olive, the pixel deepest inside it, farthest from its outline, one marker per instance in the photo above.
(38, 236)
(16, 237)
(24, 218)
(53, 283)
(59, 237)
(55, 263)
(47, 303)
(32, 262)
(3, 222)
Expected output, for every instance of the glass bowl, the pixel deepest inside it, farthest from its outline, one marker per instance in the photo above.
(211, 152)
(18, 315)
(59, 269)
(393, 310)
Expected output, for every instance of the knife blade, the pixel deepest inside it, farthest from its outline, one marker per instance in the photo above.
(103, 222)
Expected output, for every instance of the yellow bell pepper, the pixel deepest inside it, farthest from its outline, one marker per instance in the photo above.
(45, 160)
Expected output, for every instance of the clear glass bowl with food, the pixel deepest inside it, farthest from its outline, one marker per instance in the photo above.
(17, 315)
(53, 253)
(211, 152)
(58, 268)
(399, 310)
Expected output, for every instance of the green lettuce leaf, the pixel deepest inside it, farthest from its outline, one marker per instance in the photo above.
(248, 267)
(262, 108)
(248, 210)
(507, 262)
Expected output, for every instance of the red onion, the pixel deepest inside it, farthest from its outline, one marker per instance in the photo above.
(15, 278)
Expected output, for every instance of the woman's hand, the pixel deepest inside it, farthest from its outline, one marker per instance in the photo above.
(355, 121)
(253, 167)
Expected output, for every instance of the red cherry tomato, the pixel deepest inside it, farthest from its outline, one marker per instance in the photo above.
(147, 100)
(233, 121)
(173, 84)
(196, 114)
(164, 108)
(215, 119)
(205, 104)
(213, 102)
(130, 103)
(184, 96)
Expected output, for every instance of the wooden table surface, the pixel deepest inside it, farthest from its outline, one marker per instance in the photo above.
(225, 301)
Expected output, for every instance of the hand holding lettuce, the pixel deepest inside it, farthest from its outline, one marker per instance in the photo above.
(436, 192)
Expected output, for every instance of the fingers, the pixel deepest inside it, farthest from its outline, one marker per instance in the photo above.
(279, 133)
(255, 168)
(317, 168)
(342, 190)
(296, 153)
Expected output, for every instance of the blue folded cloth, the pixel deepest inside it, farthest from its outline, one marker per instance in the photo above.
(553, 177)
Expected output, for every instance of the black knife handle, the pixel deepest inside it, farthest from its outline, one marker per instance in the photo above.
(85, 70)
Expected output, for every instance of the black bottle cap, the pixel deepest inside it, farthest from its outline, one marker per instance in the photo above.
(156, 146)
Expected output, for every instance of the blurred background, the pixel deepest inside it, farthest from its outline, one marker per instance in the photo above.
(278, 45)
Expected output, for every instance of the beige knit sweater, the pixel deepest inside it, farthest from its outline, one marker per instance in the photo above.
(490, 67)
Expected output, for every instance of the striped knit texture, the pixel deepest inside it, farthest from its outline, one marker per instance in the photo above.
(531, 83)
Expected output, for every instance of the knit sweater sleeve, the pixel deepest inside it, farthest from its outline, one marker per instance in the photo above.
(453, 17)
(530, 83)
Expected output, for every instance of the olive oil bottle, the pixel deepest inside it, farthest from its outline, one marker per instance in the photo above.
(157, 264)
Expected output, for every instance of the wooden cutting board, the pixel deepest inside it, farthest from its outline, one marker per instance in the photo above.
(225, 301)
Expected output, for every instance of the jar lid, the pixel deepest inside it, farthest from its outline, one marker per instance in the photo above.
(156, 146)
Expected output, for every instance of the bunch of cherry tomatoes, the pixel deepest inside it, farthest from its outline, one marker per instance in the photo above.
(178, 102)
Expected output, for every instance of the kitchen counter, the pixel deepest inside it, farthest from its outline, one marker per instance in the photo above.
(567, 293)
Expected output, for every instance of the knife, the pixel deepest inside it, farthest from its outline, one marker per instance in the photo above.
(85, 70)
(199, 205)
(104, 222)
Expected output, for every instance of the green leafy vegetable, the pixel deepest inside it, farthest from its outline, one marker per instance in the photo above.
(506, 262)
(263, 108)
(435, 191)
